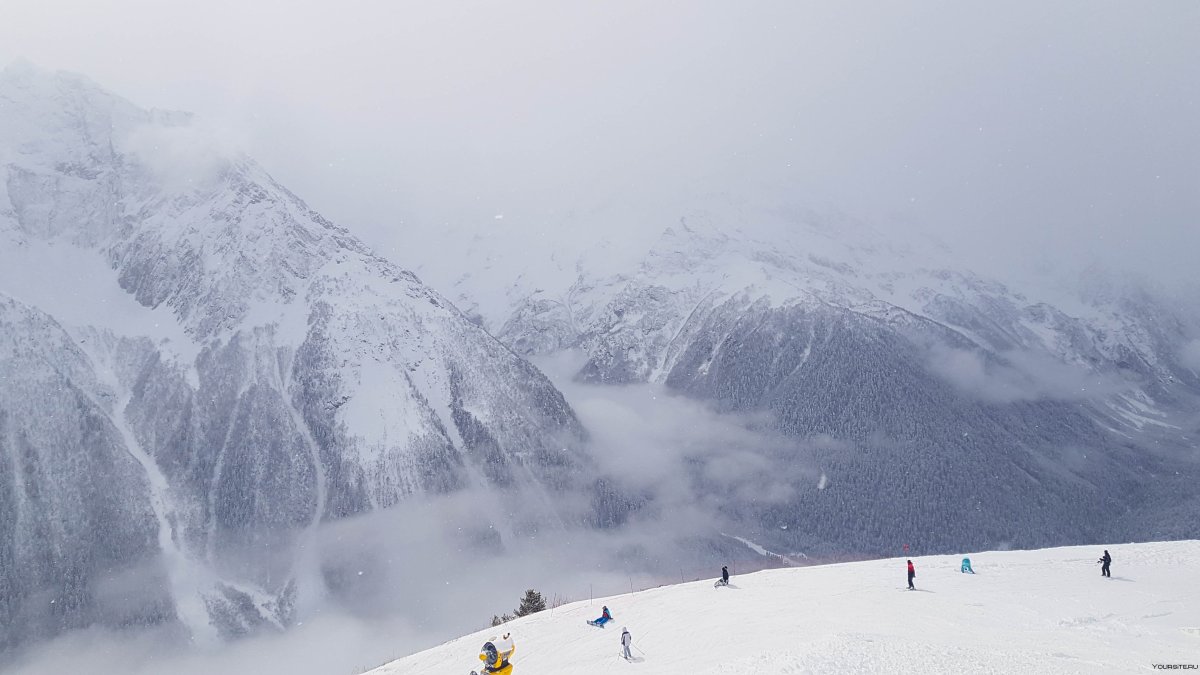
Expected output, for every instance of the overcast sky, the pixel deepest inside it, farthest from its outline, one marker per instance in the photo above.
(1018, 130)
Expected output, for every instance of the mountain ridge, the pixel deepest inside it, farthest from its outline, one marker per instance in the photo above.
(927, 380)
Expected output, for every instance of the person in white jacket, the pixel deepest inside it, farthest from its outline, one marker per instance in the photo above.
(626, 640)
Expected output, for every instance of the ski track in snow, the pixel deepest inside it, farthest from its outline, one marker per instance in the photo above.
(786, 560)
(1022, 612)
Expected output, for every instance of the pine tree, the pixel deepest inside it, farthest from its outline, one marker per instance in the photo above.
(532, 602)
(497, 620)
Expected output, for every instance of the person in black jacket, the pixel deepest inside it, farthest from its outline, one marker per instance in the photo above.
(1105, 562)
(725, 574)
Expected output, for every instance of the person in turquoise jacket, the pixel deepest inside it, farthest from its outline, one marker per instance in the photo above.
(605, 617)
(966, 566)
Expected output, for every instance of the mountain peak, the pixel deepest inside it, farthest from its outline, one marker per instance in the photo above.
(55, 119)
(32, 81)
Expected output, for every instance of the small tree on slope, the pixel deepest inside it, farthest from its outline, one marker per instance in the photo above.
(532, 602)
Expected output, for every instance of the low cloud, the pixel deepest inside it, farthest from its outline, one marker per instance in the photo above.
(1189, 355)
(181, 157)
(399, 581)
(680, 450)
(1022, 376)
(333, 643)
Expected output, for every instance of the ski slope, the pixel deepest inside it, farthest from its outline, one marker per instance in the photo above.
(1022, 612)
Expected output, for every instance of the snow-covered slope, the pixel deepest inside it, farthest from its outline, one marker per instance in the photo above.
(1022, 612)
(252, 369)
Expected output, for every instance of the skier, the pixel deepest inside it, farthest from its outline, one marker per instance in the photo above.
(605, 617)
(506, 647)
(493, 662)
(626, 640)
(912, 573)
(1105, 562)
(966, 566)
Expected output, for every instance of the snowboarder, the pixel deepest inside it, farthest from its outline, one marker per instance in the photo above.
(724, 580)
(1104, 563)
(626, 640)
(912, 573)
(605, 617)
(966, 566)
(493, 662)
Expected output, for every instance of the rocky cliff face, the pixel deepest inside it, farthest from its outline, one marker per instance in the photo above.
(197, 364)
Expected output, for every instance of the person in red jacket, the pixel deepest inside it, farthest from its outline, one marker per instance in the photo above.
(912, 572)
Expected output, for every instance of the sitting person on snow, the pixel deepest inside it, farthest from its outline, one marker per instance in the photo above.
(966, 566)
(605, 617)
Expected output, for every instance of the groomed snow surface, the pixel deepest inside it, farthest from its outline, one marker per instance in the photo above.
(1046, 611)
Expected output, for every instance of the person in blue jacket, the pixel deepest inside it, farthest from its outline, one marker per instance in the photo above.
(966, 566)
(605, 617)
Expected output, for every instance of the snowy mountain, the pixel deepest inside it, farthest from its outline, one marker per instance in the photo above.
(933, 404)
(198, 370)
(1021, 612)
(199, 376)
